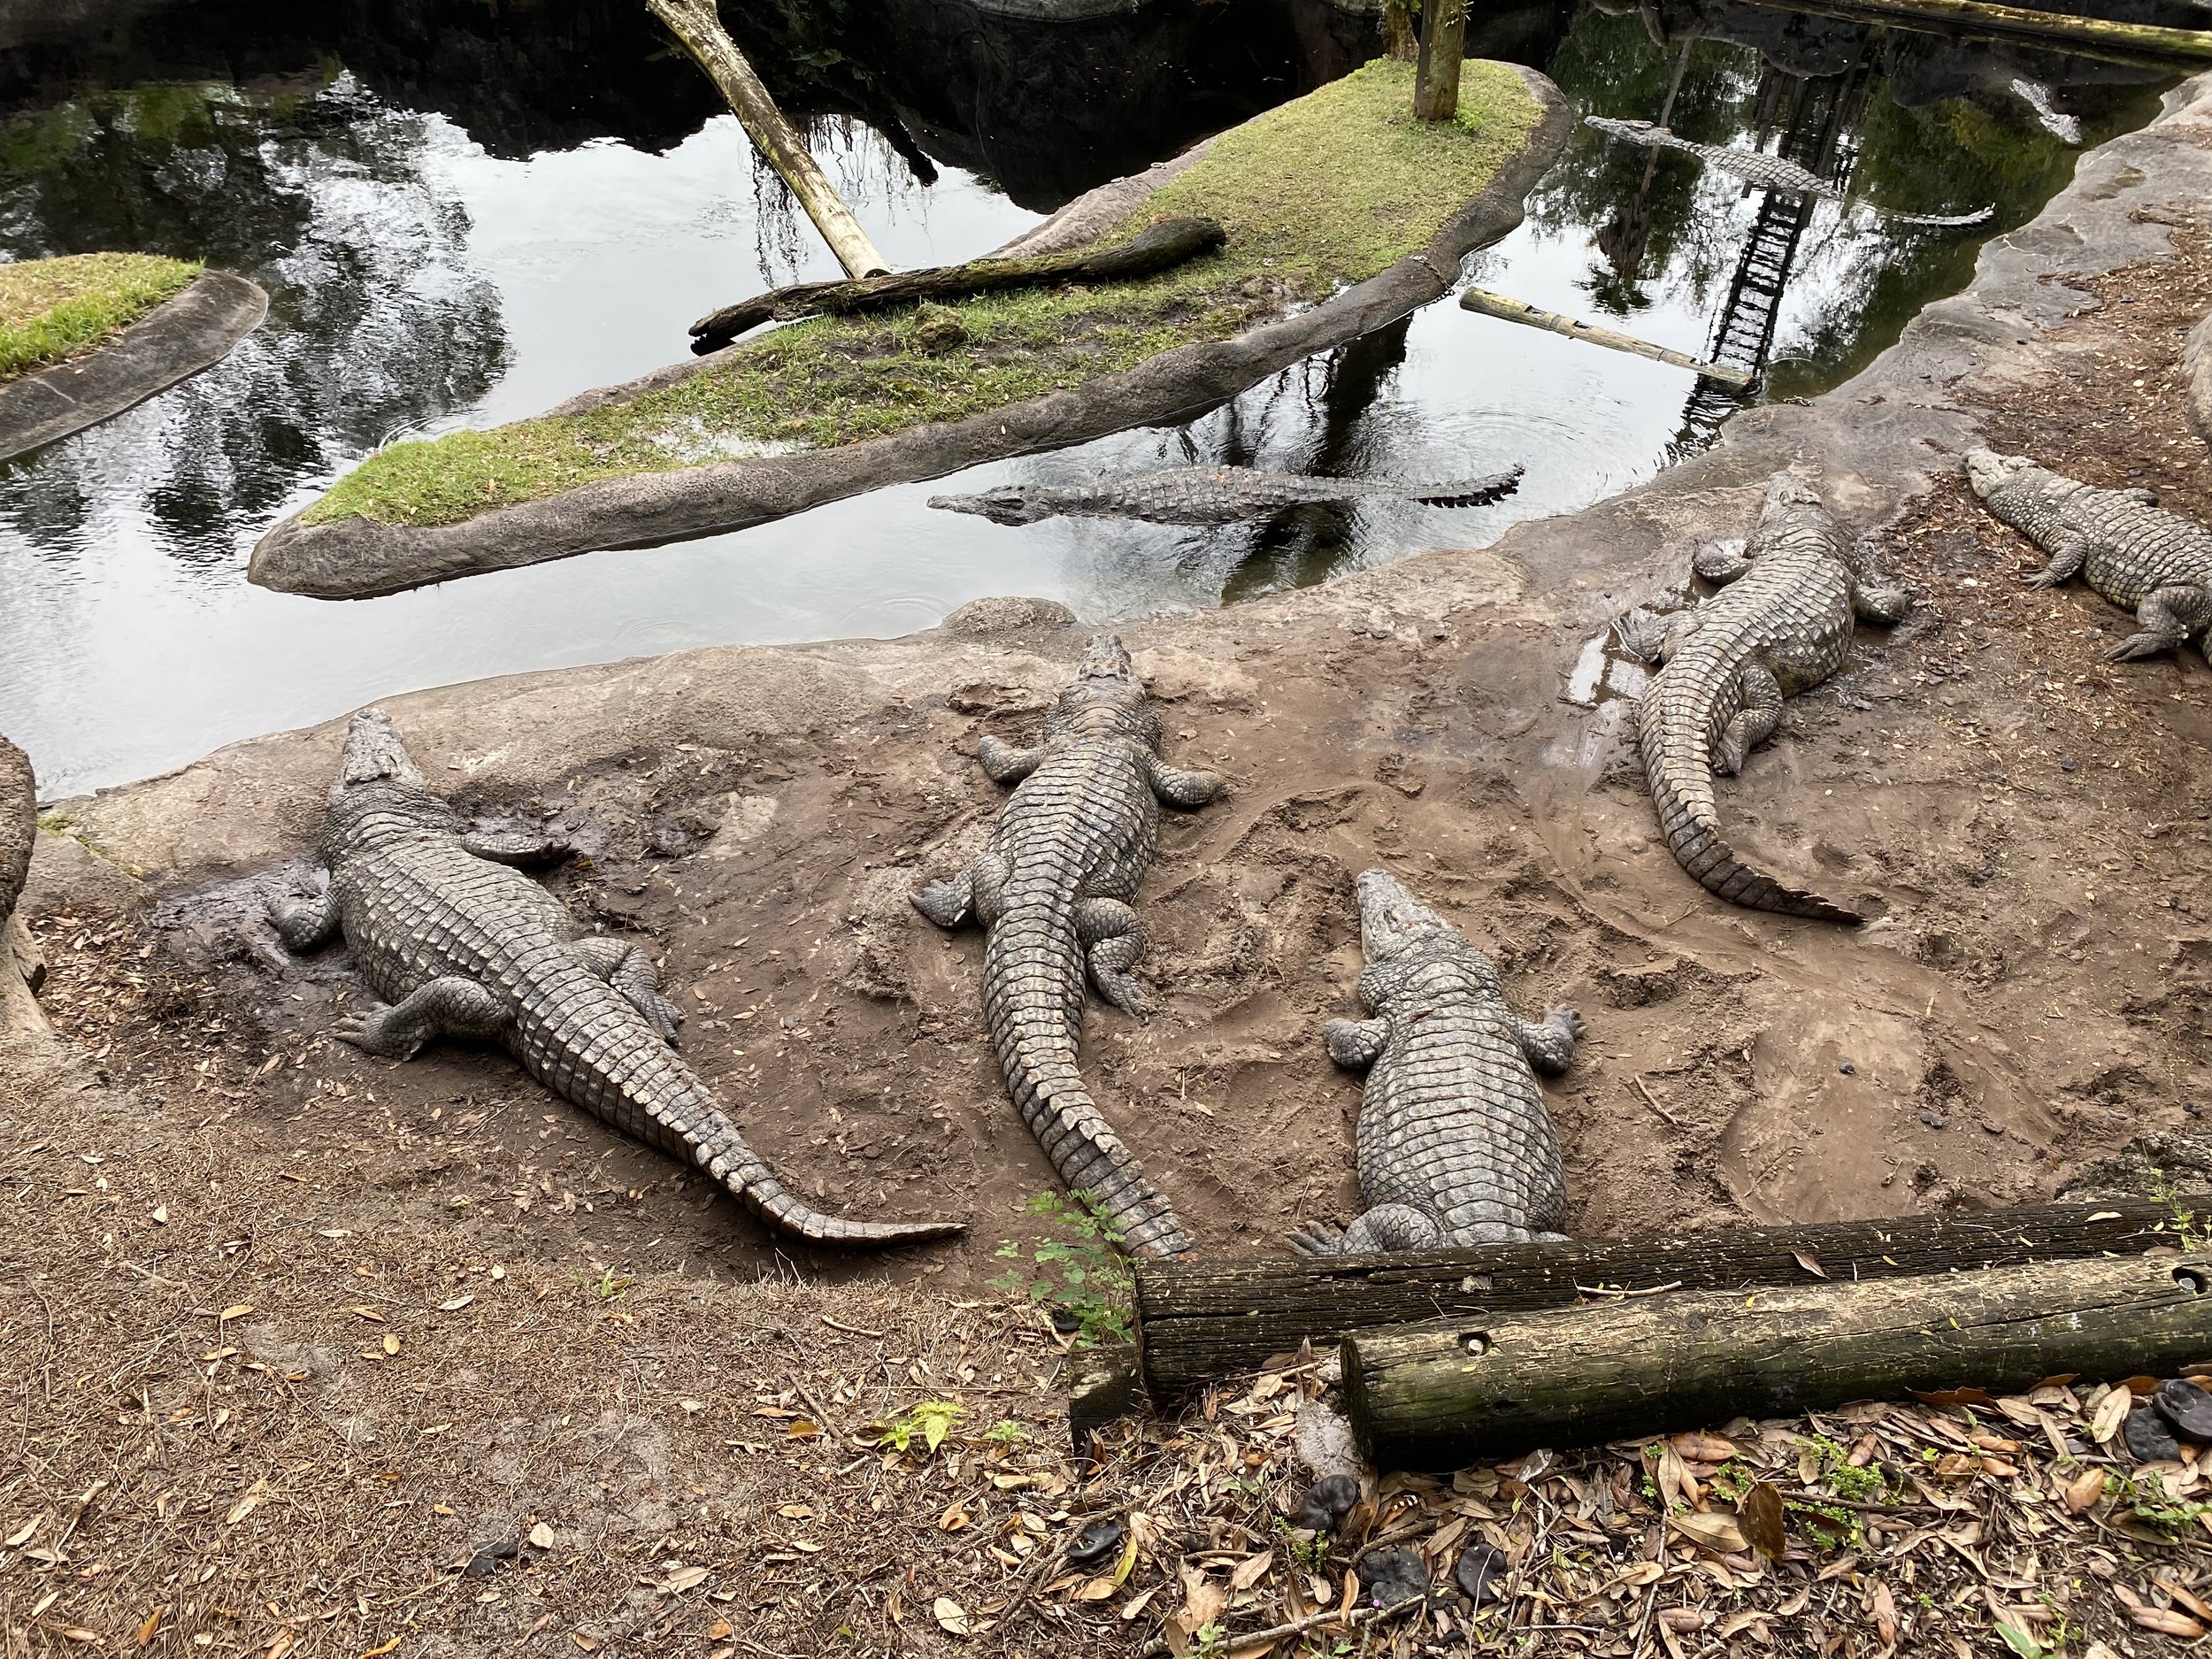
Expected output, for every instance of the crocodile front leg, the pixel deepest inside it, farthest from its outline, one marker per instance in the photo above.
(1113, 941)
(452, 1006)
(1004, 763)
(633, 973)
(1551, 1046)
(303, 924)
(2169, 616)
(1356, 1044)
(2066, 561)
(1178, 788)
(518, 847)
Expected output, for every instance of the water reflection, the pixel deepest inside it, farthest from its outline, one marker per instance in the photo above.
(465, 213)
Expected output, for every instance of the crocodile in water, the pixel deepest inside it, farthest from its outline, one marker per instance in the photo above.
(463, 945)
(1212, 495)
(1764, 172)
(2135, 554)
(1781, 624)
(1455, 1146)
(1053, 889)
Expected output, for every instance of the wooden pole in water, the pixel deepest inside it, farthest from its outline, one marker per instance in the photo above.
(1515, 310)
(698, 26)
(2096, 37)
(1443, 44)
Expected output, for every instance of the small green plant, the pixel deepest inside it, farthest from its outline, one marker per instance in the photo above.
(1007, 1433)
(928, 1421)
(607, 1286)
(1212, 1641)
(2183, 1223)
(2174, 1518)
(1081, 1271)
(1309, 1553)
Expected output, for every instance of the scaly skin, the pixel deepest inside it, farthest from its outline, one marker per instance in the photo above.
(1764, 172)
(1053, 890)
(1211, 495)
(1455, 1146)
(1781, 625)
(461, 946)
(2157, 563)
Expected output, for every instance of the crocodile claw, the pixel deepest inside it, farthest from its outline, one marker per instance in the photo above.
(2138, 645)
(1317, 1237)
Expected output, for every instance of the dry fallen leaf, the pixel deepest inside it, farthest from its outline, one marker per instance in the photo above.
(796, 1511)
(802, 1429)
(1884, 1611)
(720, 1628)
(951, 1615)
(2166, 1622)
(16, 1540)
(1719, 1533)
(248, 1504)
(454, 1304)
(1093, 1590)
(391, 1343)
(683, 1578)
(541, 1536)
(2084, 1489)
(1811, 1264)
(2112, 1412)
(1760, 1516)
(1247, 1573)
(1704, 1449)
(236, 1311)
(956, 1518)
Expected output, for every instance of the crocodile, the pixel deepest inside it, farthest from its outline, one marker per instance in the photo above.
(1053, 890)
(1212, 495)
(2131, 551)
(1780, 626)
(1455, 1146)
(463, 946)
(1763, 172)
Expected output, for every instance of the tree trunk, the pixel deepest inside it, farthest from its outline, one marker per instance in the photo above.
(1401, 32)
(1451, 1391)
(1203, 1319)
(1436, 78)
(18, 822)
(1159, 248)
(2096, 37)
(699, 26)
(1513, 310)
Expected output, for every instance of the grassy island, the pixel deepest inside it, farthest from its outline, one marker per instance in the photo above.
(54, 309)
(1320, 193)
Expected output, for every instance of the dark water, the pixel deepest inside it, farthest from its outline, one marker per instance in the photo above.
(465, 211)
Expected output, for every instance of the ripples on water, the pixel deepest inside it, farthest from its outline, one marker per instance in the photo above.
(428, 273)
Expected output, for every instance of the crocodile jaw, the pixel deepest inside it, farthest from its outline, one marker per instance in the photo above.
(373, 755)
(1007, 503)
(1988, 472)
(1393, 922)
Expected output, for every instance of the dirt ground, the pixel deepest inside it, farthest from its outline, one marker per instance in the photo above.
(296, 1331)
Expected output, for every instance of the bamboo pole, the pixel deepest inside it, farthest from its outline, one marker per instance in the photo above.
(1513, 310)
(697, 25)
(1443, 45)
(2096, 37)
(1446, 1392)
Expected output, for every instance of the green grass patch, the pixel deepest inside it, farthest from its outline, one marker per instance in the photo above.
(1321, 192)
(53, 309)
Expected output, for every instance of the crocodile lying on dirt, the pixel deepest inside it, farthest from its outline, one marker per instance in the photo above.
(2132, 552)
(1780, 626)
(1455, 1146)
(1764, 172)
(1053, 889)
(464, 947)
(1212, 495)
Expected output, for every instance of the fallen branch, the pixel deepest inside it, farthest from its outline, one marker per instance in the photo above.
(1513, 310)
(2091, 37)
(1274, 1634)
(1160, 248)
(1445, 1393)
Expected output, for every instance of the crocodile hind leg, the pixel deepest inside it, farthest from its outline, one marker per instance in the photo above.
(1356, 1043)
(518, 847)
(453, 1006)
(1385, 1227)
(631, 971)
(2168, 616)
(1753, 724)
(303, 924)
(1551, 1046)
(1114, 941)
(1720, 563)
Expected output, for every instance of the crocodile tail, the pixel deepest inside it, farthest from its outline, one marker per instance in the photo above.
(1681, 781)
(756, 1186)
(1035, 1035)
(1474, 492)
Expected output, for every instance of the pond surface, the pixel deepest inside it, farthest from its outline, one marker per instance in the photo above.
(459, 225)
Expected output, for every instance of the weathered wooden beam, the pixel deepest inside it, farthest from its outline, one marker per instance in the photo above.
(1158, 247)
(1513, 310)
(1450, 1391)
(2096, 37)
(1197, 1320)
(1436, 74)
(698, 26)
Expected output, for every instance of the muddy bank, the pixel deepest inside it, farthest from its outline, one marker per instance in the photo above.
(2022, 816)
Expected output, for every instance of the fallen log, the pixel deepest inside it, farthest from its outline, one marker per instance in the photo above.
(1202, 1319)
(1159, 248)
(697, 25)
(1512, 311)
(2085, 36)
(1450, 1391)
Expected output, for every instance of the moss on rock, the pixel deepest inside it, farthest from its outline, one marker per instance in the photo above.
(1321, 192)
(53, 309)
